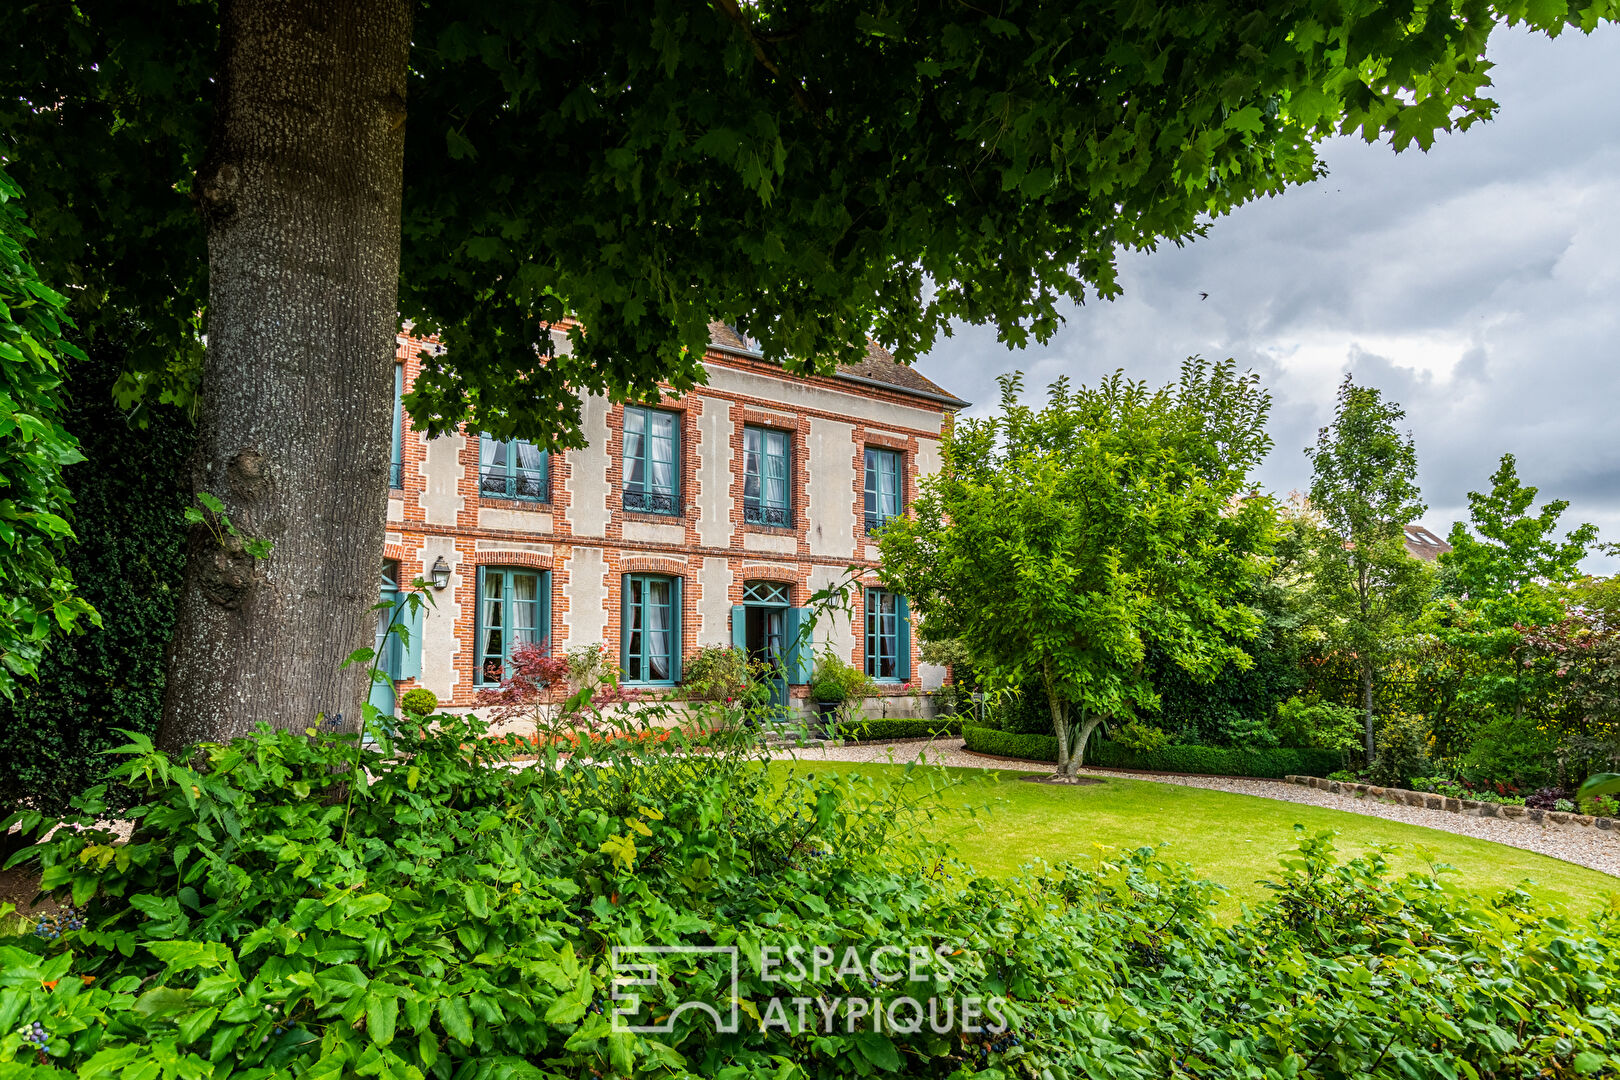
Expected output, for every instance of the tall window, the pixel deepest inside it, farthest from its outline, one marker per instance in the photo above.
(651, 461)
(651, 629)
(513, 469)
(883, 474)
(396, 468)
(514, 608)
(888, 636)
(765, 477)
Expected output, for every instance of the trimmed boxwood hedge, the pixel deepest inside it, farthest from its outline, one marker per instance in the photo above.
(1206, 760)
(899, 729)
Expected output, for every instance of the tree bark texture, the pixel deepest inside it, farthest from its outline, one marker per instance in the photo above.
(300, 194)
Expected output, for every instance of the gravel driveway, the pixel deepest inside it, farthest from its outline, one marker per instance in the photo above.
(1593, 848)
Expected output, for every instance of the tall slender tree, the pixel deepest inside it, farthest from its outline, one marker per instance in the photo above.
(1364, 584)
(1509, 568)
(815, 171)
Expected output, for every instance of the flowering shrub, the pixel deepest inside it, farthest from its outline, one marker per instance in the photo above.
(557, 694)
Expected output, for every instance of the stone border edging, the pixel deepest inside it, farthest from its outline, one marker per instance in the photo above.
(1471, 807)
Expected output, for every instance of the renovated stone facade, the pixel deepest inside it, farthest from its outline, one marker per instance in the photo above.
(579, 541)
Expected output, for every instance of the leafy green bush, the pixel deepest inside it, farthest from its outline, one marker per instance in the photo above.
(837, 680)
(715, 673)
(1310, 721)
(1022, 712)
(861, 728)
(1141, 738)
(1402, 742)
(128, 561)
(1512, 750)
(38, 602)
(451, 918)
(419, 701)
(1010, 743)
(1274, 763)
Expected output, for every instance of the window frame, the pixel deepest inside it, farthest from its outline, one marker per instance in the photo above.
(396, 465)
(511, 487)
(901, 635)
(872, 486)
(757, 510)
(633, 603)
(542, 618)
(648, 493)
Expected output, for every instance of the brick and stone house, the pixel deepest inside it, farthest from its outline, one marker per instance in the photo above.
(708, 519)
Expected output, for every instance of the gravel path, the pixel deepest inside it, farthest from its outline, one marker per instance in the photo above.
(1593, 848)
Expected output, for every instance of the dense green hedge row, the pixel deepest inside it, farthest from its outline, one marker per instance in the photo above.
(899, 729)
(1207, 760)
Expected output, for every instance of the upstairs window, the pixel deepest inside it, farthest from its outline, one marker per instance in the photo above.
(396, 467)
(514, 608)
(765, 477)
(650, 647)
(513, 469)
(883, 473)
(651, 461)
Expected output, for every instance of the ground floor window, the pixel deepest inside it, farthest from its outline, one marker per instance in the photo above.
(888, 636)
(514, 608)
(651, 629)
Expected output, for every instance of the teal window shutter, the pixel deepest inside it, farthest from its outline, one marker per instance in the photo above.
(739, 627)
(905, 638)
(626, 614)
(799, 646)
(675, 630)
(409, 664)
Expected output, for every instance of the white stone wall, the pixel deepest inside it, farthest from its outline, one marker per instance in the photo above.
(588, 479)
(714, 609)
(586, 620)
(441, 469)
(714, 466)
(832, 488)
(440, 647)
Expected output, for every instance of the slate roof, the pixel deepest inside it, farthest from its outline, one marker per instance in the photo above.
(879, 366)
(1423, 544)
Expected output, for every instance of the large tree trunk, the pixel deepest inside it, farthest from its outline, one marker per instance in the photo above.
(300, 193)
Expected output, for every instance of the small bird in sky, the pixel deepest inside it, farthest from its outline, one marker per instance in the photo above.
(1203, 296)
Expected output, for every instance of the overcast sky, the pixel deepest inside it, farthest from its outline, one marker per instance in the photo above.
(1478, 285)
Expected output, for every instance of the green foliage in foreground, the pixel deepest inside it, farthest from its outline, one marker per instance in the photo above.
(447, 917)
(1272, 762)
(37, 598)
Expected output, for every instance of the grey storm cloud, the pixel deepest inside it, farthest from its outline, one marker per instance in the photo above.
(1477, 284)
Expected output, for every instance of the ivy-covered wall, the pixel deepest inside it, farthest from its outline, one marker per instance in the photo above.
(128, 563)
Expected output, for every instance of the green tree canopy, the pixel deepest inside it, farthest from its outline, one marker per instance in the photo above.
(804, 169)
(1364, 585)
(1060, 544)
(1509, 572)
(295, 175)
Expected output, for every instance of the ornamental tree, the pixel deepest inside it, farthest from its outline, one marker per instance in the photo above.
(1507, 573)
(1060, 544)
(293, 176)
(1363, 584)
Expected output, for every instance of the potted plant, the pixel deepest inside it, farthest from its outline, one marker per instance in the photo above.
(834, 685)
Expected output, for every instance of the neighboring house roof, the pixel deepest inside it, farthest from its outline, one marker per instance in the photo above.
(879, 368)
(1423, 544)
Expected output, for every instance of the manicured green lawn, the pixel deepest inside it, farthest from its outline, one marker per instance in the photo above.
(1232, 839)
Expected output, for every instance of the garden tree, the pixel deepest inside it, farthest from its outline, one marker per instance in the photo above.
(1509, 573)
(1363, 585)
(37, 597)
(1059, 545)
(295, 175)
